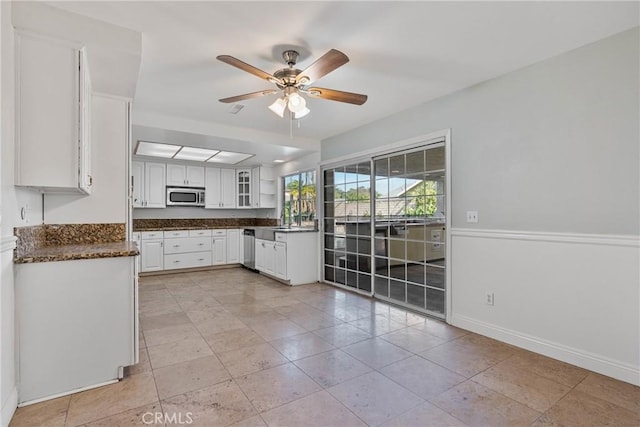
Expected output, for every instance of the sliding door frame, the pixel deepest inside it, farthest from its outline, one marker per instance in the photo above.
(443, 136)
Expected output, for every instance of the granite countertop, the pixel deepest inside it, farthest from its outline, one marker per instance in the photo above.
(294, 230)
(139, 229)
(79, 251)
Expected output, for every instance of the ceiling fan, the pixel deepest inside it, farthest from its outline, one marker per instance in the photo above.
(292, 81)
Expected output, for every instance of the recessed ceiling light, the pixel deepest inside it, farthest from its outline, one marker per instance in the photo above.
(155, 149)
(197, 154)
(229, 157)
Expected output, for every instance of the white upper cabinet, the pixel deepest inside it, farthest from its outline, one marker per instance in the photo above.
(148, 182)
(244, 188)
(263, 192)
(185, 176)
(53, 123)
(220, 188)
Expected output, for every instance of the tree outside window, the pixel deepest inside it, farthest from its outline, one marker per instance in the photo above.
(299, 201)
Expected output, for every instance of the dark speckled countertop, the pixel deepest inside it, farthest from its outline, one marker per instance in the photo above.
(75, 252)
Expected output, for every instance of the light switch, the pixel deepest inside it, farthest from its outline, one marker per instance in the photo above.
(472, 216)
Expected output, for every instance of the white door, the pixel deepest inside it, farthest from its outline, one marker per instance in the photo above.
(137, 183)
(154, 185)
(195, 176)
(233, 246)
(281, 260)
(255, 187)
(270, 258)
(228, 180)
(151, 255)
(176, 175)
(244, 188)
(259, 254)
(219, 250)
(212, 194)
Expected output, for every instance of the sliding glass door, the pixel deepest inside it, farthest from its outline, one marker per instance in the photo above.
(384, 227)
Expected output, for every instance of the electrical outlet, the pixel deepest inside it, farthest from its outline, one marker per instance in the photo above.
(488, 299)
(472, 216)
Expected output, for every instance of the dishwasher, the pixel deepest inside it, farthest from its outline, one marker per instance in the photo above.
(248, 242)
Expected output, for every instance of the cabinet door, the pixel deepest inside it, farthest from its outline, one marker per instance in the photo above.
(219, 250)
(228, 179)
(48, 105)
(176, 175)
(151, 255)
(212, 189)
(244, 188)
(84, 167)
(255, 187)
(195, 176)
(137, 184)
(233, 246)
(154, 185)
(281, 260)
(270, 258)
(259, 254)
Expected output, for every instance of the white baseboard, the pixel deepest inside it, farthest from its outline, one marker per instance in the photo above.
(9, 407)
(592, 362)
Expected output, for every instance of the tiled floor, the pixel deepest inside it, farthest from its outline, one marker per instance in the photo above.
(230, 347)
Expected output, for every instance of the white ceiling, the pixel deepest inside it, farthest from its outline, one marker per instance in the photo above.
(402, 53)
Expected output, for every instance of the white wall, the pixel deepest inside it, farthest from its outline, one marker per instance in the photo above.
(11, 202)
(548, 155)
(109, 159)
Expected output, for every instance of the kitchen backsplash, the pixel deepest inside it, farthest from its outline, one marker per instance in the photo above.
(140, 224)
(37, 236)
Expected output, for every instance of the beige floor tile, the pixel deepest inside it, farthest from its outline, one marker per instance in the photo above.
(377, 325)
(218, 314)
(192, 303)
(332, 367)
(171, 334)
(522, 386)
(154, 295)
(349, 313)
(142, 416)
(548, 368)
(255, 421)
(51, 413)
(233, 339)
(468, 357)
(614, 391)
(342, 334)
(376, 352)
(299, 346)
(218, 405)
(422, 377)
(235, 299)
(162, 321)
(440, 329)
(132, 392)
(251, 359)
(425, 415)
(155, 308)
(581, 409)
(188, 376)
(374, 398)
(274, 329)
(142, 366)
(176, 352)
(477, 405)
(402, 316)
(276, 386)
(220, 324)
(312, 322)
(281, 301)
(412, 340)
(317, 409)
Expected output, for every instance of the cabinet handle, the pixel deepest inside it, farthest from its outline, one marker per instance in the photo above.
(200, 259)
(200, 244)
(176, 246)
(176, 261)
(90, 180)
(263, 245)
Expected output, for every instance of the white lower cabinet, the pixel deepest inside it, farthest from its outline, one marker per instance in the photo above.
(233, 246)
(292, 258)
(219, 249)
(187, 260)
(151, 255)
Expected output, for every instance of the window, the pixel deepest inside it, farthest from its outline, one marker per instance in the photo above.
(299, 201)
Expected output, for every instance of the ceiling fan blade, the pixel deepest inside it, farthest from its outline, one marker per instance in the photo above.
(248, 96)
(235, 62)
(323, 66)
(337, 95)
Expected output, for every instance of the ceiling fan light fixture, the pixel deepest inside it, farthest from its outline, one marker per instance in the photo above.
(278, 106)
(296, 103)
(302, 113)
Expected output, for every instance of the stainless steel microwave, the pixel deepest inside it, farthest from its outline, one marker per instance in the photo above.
(182, 196)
